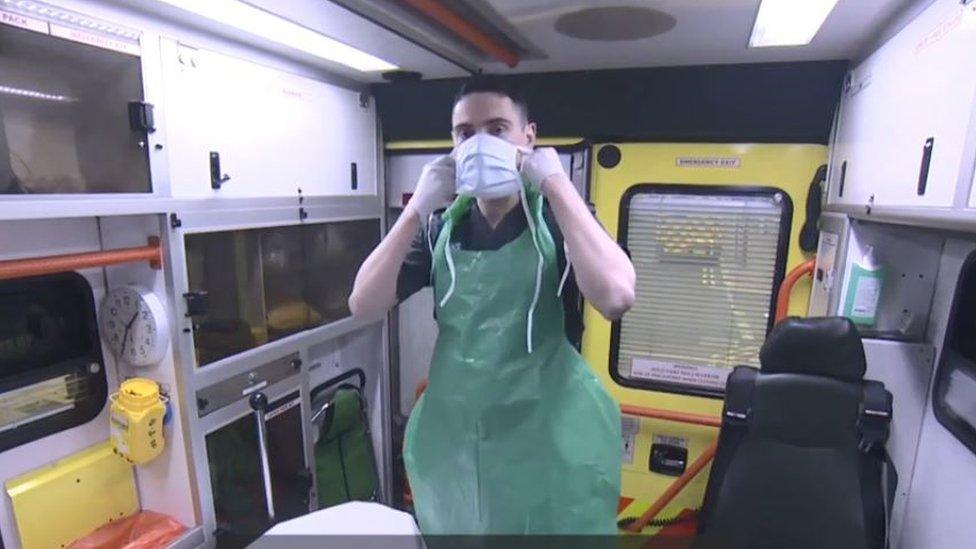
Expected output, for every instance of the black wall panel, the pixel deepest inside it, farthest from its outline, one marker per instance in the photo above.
(777, 102)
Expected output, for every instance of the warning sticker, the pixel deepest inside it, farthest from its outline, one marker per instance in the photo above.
(707, 377)
(97, 40)
(708, 162)
(630, 426)
(671, 441)
(17, 20)
(282, 409)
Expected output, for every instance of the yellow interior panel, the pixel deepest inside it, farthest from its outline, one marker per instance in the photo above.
(66, 500)
(785, 166)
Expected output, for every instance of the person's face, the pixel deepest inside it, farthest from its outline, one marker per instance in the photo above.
(494, 114)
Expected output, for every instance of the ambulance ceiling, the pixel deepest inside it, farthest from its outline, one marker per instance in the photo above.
(551, 35)
(560, 35)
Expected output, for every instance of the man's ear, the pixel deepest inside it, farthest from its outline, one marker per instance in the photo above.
(530, 134)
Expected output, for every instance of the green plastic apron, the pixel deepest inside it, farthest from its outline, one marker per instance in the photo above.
(505, 441)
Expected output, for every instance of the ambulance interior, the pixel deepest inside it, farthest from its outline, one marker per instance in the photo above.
(188, 189)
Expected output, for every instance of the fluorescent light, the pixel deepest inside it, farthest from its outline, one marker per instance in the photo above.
(789, 22)
(263, 24)
(33, 94)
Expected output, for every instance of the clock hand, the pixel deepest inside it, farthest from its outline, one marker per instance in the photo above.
(125, 335)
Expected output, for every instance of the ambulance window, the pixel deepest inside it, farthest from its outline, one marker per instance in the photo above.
(52, 376)
(954, 399)
(708, 261)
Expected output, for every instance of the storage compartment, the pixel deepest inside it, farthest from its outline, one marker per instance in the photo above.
(908, 259)
(236, 475)
(905, 114)
(274, 132)
(64, 116)
(260, 285)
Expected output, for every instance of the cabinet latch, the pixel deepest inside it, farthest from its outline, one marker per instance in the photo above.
(141, 117)
(196, 303)
(217, 179)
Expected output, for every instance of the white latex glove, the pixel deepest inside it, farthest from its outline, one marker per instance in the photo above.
(435, 188)
(539, 166)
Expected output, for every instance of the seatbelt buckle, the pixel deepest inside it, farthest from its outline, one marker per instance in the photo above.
(873, 425)
(737, 417)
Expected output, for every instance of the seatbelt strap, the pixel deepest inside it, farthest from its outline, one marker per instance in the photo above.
(738, 396)
(875, 416)
(889, 479)
(874, 423)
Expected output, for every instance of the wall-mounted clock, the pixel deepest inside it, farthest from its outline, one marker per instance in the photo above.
(133, 323)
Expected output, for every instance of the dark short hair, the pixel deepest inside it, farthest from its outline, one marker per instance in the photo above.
(494, 84)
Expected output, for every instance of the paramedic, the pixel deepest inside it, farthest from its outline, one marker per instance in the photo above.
(514, 434)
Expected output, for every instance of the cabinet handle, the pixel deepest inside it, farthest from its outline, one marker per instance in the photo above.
(354, 176)
(923, 173)
(259, 403)
(843, 179)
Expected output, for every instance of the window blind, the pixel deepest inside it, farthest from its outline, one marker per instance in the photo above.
(706, 265)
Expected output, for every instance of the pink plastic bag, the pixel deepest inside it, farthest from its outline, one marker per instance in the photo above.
(143, 530)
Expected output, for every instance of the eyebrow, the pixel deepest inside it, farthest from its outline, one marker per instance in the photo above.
(497, 120)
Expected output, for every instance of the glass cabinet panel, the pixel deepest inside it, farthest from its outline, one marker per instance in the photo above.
(226, 267)
(64, 117)
(265, 284)
(238, 483)
(283, 263)
(335, 251)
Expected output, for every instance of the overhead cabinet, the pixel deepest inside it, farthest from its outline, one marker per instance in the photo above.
(237, 128)
(901, 137)
(72, 114)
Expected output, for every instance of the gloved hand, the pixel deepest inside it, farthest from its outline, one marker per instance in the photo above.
(540, 165)
(435, 188)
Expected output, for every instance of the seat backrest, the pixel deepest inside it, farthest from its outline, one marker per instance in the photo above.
(790, 470)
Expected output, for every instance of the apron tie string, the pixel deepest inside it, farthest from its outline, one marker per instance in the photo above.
(450, 267)
(562, 281)
(538, 272)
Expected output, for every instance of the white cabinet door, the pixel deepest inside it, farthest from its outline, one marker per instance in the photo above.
(274, 132)
(913, 94)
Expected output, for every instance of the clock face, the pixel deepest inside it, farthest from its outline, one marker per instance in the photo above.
(133, 324)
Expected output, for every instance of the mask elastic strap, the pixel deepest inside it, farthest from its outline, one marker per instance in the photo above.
(538, 272)
(450, 263)
(562, 281)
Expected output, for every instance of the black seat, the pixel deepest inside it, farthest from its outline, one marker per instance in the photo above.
(801, 460)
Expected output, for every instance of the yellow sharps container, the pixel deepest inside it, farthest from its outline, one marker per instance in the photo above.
(137, 420)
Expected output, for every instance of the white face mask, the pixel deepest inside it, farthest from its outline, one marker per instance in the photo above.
(487, 167)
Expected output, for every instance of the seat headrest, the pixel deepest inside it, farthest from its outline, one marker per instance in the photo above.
(818, 346)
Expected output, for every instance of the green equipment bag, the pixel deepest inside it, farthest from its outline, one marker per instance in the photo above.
(344, 461)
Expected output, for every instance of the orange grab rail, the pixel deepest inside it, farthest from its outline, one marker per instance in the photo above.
(696, 467)
(669, 415)
(786, 288)
(679, 483)
(35, 266)
(434, 9)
